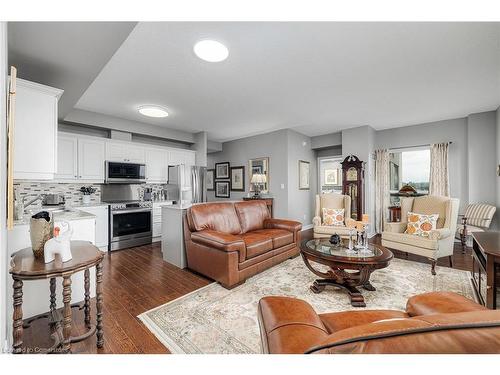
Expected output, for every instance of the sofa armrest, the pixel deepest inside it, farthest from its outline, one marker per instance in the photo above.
(439, 234)
(440, 303)
(395, 227)
(316, 221)
(288, 325)
(218, 240)
(290, 225)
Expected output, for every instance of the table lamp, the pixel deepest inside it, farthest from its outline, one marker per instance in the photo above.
(258, 181)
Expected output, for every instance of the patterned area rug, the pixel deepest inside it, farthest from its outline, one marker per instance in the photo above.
(215, 320)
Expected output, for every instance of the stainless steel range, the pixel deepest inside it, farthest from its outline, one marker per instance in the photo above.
(130, 219)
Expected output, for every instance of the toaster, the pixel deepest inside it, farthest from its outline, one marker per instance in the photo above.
(53, 199)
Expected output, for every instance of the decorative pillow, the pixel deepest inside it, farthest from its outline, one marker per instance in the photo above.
(421, 225)
(333, 216)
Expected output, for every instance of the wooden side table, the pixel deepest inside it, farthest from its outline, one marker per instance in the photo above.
(269, 203)
(24, 266)
(485, 271)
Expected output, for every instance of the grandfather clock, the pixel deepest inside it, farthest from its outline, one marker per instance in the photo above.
(352, 184)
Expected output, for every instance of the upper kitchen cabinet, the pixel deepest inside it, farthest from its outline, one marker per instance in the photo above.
(186, 157)
(80, 159)
(156, 165)
(118, 151)
(35, 131)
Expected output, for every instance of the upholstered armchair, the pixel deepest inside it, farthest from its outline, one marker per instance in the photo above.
(331, 200)
(440, 241)
(477, 218)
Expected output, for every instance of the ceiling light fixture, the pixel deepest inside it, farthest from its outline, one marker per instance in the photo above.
(211, 50)
(153, 111)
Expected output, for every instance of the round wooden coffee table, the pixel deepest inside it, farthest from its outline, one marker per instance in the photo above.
(347, 269)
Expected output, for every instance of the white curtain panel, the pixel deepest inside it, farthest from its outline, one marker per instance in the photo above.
(439, 178)
(381, 188)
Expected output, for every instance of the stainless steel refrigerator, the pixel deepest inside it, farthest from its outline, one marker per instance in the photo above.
(189, 183)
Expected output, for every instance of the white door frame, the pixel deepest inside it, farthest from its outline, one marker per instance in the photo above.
(321, 158)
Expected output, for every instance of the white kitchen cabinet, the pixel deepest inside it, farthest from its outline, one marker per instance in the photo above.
(35, 131)
(80, 159)
(156, 165)
(186, 157)
(101, 224)
(67, 158)
(91, 159)
(124, 151)
(157, 219)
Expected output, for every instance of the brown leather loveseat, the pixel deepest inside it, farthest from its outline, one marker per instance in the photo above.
(437, 322)
(231, 241)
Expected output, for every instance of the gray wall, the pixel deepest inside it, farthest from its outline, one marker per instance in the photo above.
(238, 152)
(300, 202)
(435, 132)
(327, 140)
(481, 139)
(3, 179)
(200, 146)
(329, 151)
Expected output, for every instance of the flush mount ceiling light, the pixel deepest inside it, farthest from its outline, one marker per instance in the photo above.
(211, 50)
(153, 111)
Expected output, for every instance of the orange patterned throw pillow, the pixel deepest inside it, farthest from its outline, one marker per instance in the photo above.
(421, 225)
(333, 216)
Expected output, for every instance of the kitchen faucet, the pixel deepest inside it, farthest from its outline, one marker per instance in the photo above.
(38, 197)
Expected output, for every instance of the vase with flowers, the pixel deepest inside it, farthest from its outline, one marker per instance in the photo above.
(87, 191)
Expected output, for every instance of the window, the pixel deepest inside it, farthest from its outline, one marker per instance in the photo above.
(330, 175)
(411, 167)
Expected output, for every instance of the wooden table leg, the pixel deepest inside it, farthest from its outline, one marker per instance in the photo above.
(100, 333)
(66, 345)
(52, 294)
(17, 324)
(86, 274)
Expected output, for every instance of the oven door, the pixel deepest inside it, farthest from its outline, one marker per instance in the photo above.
(117, 172)
(130, 224)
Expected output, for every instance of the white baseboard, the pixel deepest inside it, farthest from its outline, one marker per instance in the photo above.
(306, 227)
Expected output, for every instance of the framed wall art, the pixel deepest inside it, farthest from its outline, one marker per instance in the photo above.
(304, 175)
(210, 179)
(222, 170)
(222, 189)
(238, 178)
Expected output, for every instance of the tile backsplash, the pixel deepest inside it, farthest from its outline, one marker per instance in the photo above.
(72, 194)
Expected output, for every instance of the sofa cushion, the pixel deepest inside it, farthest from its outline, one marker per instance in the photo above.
(338, 321)
(280, 237)
(256, 244)
(220, 217)
(327, 229)
(251, 214)
(410, 239)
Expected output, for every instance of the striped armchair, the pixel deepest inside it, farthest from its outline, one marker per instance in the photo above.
(477, 218)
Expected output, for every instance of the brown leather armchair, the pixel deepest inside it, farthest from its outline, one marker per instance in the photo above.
(231, 241)
(437, 322)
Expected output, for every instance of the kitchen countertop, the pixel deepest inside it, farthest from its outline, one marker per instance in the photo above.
(81, 205)
(68, 215)
(176, 207)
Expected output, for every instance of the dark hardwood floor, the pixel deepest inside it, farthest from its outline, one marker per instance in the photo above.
(136, 280)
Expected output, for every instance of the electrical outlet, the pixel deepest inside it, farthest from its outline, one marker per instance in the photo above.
(305, 216)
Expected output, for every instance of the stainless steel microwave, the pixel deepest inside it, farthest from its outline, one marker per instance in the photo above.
(125, 173)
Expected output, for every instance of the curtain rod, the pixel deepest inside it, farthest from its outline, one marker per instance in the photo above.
(426, 145)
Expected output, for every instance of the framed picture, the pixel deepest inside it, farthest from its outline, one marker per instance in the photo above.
(221, 170)
(210, 179)
(222, 189)
(331, 177)
(238, 178)
(304, 178)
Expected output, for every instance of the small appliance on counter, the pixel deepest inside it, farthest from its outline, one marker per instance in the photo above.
(54, 199)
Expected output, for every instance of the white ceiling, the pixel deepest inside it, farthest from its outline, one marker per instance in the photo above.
(316, 78)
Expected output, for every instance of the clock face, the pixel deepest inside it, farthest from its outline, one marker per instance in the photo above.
(352, 174)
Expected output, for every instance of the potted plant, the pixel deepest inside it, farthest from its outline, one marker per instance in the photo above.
(87, 191)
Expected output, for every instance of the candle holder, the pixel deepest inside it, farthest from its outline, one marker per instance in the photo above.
(350, 246)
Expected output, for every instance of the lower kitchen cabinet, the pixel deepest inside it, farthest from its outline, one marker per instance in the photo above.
(101, 224)
(157, 220)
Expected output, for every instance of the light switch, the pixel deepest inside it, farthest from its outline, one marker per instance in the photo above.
(282, 186)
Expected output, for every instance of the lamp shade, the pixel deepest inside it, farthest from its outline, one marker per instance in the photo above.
(259, 178)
